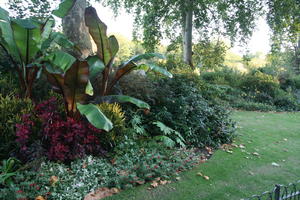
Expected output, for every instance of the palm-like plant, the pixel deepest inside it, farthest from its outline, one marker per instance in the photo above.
(26, 41)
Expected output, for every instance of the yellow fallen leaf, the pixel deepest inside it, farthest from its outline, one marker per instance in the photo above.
(53, 180)
(39, 198)
(199, 174)
(154, 184)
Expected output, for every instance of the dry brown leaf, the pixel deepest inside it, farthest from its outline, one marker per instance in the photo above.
(101, 193)
(53, 180)
(255, 153)
(84, 165)
(154, 184)
(140, 182)
(163, 182)
(199, 174)
(39, 198)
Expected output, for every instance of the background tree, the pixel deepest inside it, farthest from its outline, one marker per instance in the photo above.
(284, 20)
(40, 9)
(166, 18)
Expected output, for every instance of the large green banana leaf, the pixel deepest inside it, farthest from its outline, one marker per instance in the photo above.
(106, 47)
(6, 36)
(64, 8)
(125, 99)
(27, 37)
(95, 116)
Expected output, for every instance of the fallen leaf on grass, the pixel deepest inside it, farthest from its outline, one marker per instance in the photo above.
(101, 193)
(177, 178)
(242, 146)
(255, 153)
(285, 139)
(199, 174)
(251, 173)
(275, 164)
(228, 151)
(202, 175)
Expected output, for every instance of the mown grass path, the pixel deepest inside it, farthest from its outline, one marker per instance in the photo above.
(275, 137)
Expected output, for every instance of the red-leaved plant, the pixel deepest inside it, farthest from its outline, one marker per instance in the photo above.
(63, 138)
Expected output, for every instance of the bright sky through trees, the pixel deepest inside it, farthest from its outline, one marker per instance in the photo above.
(123, 25)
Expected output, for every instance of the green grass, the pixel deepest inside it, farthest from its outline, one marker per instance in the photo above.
(275, 136)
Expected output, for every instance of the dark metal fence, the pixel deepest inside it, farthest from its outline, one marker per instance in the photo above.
(281, 192)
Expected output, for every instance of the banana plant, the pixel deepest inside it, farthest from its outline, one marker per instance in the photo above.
(107, 48)
(73, 78)
(25, 41)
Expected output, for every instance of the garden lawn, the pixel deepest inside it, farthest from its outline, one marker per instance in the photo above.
(274, 136)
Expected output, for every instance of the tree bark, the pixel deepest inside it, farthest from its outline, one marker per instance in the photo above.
(188, 35)
(75, 29)
(297, 57)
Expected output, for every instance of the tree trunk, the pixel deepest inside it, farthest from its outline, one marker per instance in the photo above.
(75, 29)
(297, 57)
(187, 35)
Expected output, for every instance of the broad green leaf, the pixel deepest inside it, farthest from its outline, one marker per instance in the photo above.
(114, 45)
(98, 31)
(6, 36)
(58, 38)
(47, 28)
(89, 89)
(95, 116)
(96, 66)
(64, 8)
(145, 56)
(27, 37)
(62, 60)
(165, 140)
(128, 99)
(155, 68)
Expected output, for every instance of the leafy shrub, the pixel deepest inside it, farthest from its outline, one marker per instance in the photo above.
(117, 117)
(11, 110)
(253, 106)
(62, 139)
(8, 83)
(259, 83)
(181, 107)
(134, 164)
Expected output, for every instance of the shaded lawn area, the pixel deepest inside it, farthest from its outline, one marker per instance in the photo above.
(274, 136)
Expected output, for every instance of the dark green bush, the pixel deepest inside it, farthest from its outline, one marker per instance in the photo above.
(253, 106)
(180, 106)
(11, 111)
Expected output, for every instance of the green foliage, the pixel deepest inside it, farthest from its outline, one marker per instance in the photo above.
(8, 170)
(169, 133)
(25, 43)
(115, 114)
(259, 89)
(208, 54)
(155, 19)
(134, 164)
(180, 106)
(11, 111)
(252, 106)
